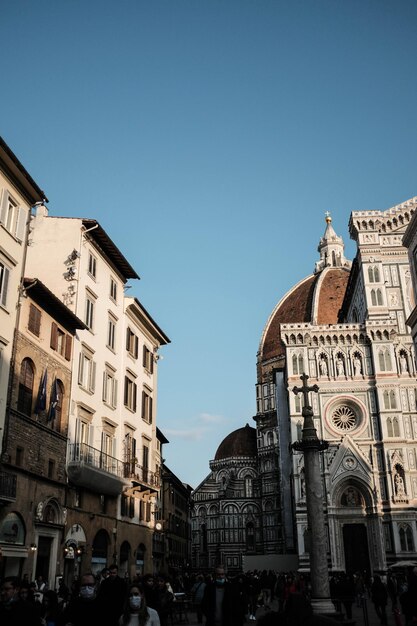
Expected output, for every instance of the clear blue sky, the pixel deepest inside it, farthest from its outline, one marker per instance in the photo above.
(208, 138)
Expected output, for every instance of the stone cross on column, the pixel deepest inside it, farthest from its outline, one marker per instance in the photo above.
(305, 389)
(309, 430)
(311, 446)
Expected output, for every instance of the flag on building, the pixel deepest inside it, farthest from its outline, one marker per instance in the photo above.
(53, 403)
(41, 399)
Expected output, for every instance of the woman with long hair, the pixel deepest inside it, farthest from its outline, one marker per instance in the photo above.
(136, 613)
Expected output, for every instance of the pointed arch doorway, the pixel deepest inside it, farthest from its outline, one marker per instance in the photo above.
(355, 544)
(351, 526)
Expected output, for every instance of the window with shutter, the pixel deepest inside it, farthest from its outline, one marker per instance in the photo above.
(4, 282)
(68, 347)
(54, 336)
(34, 324)
(130, 393)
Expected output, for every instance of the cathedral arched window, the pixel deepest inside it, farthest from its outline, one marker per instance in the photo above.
(373, 274)
(203, 538)
(390, 401)
(26, 380)
(376, 297)
(297, 364)
(385, 363)
(248, 487)
(396, 427)
(390, 430)
(250, 537)
(406, 538)
(297, 404)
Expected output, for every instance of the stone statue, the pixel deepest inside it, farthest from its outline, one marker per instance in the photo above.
(323, 366)
(340, 366)
(399, 485)
(357, 365)
(403, 364)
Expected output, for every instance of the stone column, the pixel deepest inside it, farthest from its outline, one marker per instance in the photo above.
(311, 447)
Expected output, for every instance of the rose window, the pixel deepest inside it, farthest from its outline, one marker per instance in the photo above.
(344, 418)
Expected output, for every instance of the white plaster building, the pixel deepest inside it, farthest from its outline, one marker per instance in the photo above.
(112, 431)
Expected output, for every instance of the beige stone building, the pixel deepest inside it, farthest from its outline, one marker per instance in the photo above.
(113, 460)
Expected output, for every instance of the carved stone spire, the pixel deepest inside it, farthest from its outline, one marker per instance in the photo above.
(331, 248)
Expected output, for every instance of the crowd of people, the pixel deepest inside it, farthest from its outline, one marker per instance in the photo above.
(150, 600)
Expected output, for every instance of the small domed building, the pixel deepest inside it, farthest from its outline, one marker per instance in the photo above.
(227, 505)
(345, 326)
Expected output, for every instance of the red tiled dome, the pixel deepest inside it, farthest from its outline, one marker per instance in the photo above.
(241, 442)
(315, 299)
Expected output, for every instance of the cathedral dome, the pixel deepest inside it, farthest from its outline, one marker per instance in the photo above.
(316, 299)
(241, 442)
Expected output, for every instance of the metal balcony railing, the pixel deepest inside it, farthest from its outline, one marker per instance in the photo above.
(140, 474)
(7, 487)
(88, 455)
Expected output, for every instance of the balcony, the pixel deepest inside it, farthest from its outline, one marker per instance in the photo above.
(95, 470)
(144, 481)
(7, 487)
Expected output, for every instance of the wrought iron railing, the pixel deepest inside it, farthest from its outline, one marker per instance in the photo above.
(141, 474)
(96, 458)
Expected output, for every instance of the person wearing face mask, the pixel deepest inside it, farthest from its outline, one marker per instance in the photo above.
(220, 601)
(136, 612)
(84, 610)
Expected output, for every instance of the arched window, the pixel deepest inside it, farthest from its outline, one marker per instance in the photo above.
(385, 363)
(390, 401)
(406, 538)
(373, 274)
(396, 427)
(99, 550)
(390, 430)
(297, 364)
(25, 396)
(248, 487)
(57, 399)
(250, 537)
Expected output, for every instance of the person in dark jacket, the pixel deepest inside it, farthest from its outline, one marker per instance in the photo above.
(14, 611)
(379, 597)
(164, 600)
(221, 601)
(111, 597)
(83, 609)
